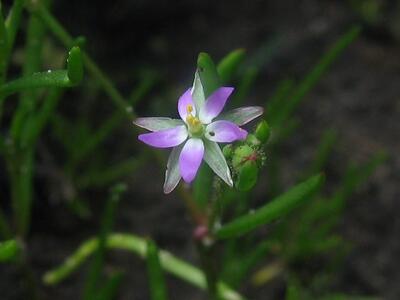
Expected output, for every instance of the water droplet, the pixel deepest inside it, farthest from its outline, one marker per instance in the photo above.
(48, 71)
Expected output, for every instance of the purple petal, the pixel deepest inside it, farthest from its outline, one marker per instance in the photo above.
(214, 104)
(225, 132)
(190, 159)
(165, 138)
(184, 101)
(242, 115)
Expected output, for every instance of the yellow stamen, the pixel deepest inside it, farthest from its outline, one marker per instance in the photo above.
(194, 124)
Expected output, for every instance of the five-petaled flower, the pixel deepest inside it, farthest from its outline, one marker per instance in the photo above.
(196, 135)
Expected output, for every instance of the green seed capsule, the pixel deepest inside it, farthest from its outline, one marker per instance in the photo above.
(227, 151)
(247, 176)
(240, 155)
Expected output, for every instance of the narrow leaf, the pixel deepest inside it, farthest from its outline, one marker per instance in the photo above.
(229, 65)
(3, 47)
(110, 289)
(325, 148)
(158, 290)
(245, 84)
(59, 78)
(13, 21)
(315, 74)
(75, 65)
(103, 177)
(8, 250)
(106, 226)
(273, 210)
(208, 74)
(137, 245)
(23, 118)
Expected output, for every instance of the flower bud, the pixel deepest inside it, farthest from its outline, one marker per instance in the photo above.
(263, 131)
(252, 140)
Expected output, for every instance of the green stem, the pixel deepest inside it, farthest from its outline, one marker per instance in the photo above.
(31, 287)
(208, 266)
(106, 226)
(21, 170)
(8, 31)
(5, 230)
(3, 48)
(12, 23)
(32, 63)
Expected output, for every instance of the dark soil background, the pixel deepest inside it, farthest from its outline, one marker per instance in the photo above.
(359, 97)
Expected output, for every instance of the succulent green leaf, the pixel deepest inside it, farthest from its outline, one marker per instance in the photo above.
(313, 77)
(75, 65)
(229, 65)
(13, 21)
(59, 78)
(208, 74)
(137, 245)
(3, 47)
(109, 290)
(244, 86)
(158, 290)
(107, 222)
(271, 211)
(263, 131)
(8, 250)
(247, 176)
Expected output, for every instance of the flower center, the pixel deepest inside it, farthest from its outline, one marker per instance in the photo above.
(196, 129)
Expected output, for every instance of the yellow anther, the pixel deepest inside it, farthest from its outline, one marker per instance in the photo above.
(189, 108)
(189, 119)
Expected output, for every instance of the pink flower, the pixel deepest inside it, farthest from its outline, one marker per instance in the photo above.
(194, 137)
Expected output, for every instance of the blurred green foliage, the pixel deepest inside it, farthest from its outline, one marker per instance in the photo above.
(301, 220)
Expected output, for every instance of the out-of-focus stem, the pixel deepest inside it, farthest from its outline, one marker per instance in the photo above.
(207, 264)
